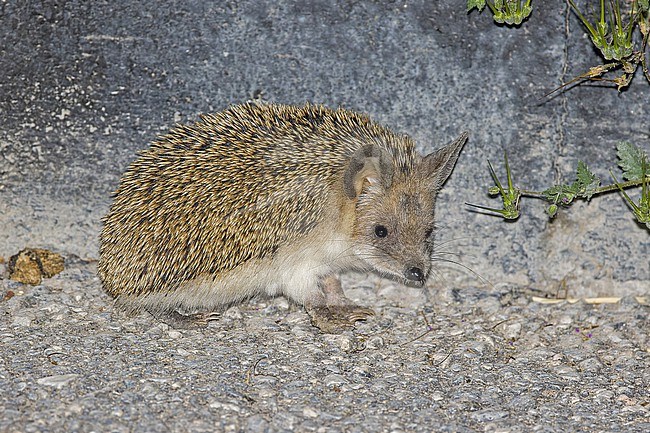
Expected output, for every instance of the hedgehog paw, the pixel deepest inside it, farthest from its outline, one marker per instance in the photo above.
(186, 321)
(334, 319)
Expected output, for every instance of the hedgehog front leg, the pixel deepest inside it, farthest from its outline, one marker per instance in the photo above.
(331, 311)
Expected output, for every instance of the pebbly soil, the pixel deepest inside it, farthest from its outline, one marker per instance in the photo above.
(441, 359)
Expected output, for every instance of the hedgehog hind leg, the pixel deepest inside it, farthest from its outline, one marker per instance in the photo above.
(332, 312)
(178, 320)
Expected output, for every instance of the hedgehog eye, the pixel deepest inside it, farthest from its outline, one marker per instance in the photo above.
(381, 231)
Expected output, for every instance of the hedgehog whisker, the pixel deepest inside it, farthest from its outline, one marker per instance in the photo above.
(436, 254)
(438, 276)
(446, 253)
(467, 268)
(451, 241)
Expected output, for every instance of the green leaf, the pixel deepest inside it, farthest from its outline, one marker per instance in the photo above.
(642, 211)
(550, 194)
(478, 4)
(630, 160)
(588, 182)
(644, 5)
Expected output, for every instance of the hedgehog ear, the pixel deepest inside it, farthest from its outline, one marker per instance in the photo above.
(371, 165)
(439, 164)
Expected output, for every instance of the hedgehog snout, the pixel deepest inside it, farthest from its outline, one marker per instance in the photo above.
(415, 274)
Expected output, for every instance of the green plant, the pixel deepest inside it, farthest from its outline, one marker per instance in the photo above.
(632, 161)
(612, 31)
(613, 35)
(509, 12)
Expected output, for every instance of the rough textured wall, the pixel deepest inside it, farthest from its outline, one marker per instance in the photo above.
(84, 85)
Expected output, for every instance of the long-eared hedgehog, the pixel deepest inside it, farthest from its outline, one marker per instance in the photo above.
(271, 199)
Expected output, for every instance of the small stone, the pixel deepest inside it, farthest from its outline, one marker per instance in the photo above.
(363, 370)
(567, 372)
(309, 412)
(403, 296)
(24, 320)
(281, 303)
(375, 342)
(627, 401)
(256, 423)
(604, 395)
(74, 408)
(591, 365)
(224, 406)
(296, 317)
(265, 391)
(31, 265)
(233, 313)
(174, 334)
(334, 379)
(512, 331)
(489, 415)
(58, 381)
(24, 270)
(437, 396)
(346, 343)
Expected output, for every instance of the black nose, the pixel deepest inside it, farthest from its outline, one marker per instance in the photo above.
(414, 274)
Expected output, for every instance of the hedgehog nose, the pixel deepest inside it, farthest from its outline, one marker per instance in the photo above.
(415, 274)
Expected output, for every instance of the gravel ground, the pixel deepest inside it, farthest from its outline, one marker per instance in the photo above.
(434, 360)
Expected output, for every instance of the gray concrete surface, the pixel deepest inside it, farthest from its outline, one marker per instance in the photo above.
(84, 85)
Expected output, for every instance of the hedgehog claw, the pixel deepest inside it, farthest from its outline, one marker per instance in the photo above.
(204, 319)
(360, 313)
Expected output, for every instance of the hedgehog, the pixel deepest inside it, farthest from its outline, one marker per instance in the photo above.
(269, 200)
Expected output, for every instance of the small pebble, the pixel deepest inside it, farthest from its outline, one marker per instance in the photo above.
(334, 379)
(309, 412)
(174, 334)
(233, 313)
(57, 381)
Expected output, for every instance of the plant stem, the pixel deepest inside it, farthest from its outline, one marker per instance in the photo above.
(600, 190)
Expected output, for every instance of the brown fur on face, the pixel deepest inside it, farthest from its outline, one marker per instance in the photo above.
(406, 211)
(395, 209)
